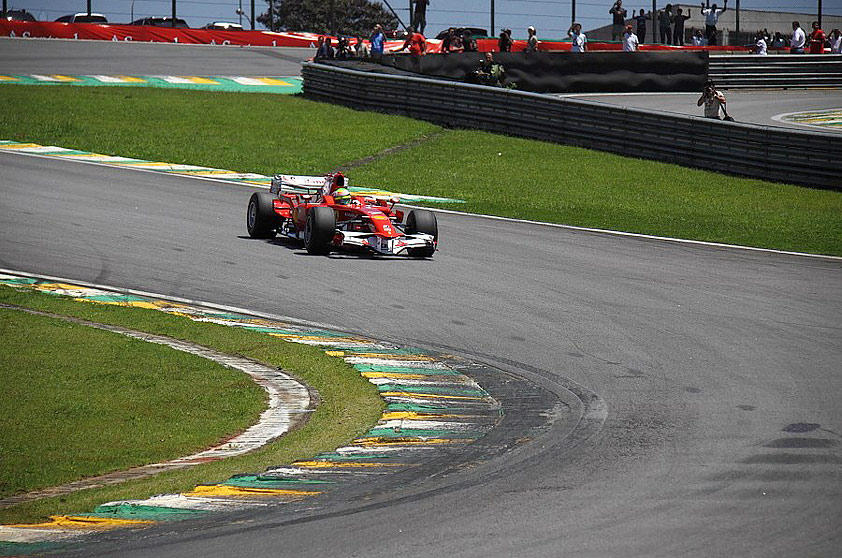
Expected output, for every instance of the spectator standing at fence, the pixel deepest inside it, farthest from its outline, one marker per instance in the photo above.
(360, 50)
(532, 40)
(377, 40)
(451, 42)
(641, 26)
(420, 20)
(798, 40)
(665, 24)
(713, 100)
(778, 41)
(325, 51)
(835, 42)
(760, 46)
(469, 44)
(817, 39)
(580, 40)
(415, 42)
(630, 42)
(678, 27)
(619, 20)
(504, 41)
(699, 39)
(711, 19)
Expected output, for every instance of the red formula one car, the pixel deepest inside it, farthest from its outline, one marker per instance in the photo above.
(320, 211)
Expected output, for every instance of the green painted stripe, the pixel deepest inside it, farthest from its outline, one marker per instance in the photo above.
(433, 390)
(420, 433)
(19, 281)
(259, 481)
(223, 84)
(144, 512)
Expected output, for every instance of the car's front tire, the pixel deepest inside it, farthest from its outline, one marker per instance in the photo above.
(422, 221)
(261, 219)
(319, 230)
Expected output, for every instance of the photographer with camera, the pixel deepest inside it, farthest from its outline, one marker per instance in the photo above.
(713, 101)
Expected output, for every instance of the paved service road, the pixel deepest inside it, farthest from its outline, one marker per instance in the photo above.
(719, 368)
(754, 107)
(62, 56)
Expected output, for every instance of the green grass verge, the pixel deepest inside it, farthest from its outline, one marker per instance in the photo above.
(248, 132)
(529, 179)
(349, 404)
(79, 401)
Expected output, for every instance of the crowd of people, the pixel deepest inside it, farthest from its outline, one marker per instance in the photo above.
(671, 30)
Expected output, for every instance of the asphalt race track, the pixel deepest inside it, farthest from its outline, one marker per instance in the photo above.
(719, 368)
(62, 56)
(753, 107)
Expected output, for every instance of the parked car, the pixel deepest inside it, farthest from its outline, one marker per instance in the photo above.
(83, 17)
(224, 26)
(161, 22)
(474, 31)
(17, 15)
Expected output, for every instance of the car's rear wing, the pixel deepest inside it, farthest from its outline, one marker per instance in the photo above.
(297, 184)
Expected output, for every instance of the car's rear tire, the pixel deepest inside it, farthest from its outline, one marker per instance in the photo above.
(319, 230)
(261, 219)
(422, 221)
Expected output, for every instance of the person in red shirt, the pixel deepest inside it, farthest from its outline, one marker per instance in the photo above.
(415, 42)
(817, 39)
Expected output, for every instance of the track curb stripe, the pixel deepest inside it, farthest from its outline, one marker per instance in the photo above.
(409, 427)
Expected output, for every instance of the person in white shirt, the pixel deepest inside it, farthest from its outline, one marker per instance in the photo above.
(713, 101)
(799, 39)
(532, 41)
(580, 41)
(711, 18)
(760, 45)
(630, 42)
(699, 39)
(835, 39)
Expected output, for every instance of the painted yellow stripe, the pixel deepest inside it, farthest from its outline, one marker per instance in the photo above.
(223, 490)
(64, 78)
(428, 395)
(378, 441)
(318, 338)
(20, 146)
(271, 81)
(8, 78)
(85, 155)
(132, 79)
(342, 465)
(202, 80)
(393, 375)
(84, 522)
(412, 415)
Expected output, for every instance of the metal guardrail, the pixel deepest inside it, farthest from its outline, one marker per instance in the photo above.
(771, 153)
(776, 70)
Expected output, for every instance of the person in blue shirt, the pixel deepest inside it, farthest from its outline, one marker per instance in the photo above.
(377, 40)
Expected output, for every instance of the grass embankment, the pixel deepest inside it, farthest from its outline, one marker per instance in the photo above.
(349, 404)
(529, 179)
(79, 401)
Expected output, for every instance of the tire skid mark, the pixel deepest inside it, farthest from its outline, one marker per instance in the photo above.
(431, 408)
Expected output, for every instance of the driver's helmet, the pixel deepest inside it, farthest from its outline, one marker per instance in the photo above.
(342, 196)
